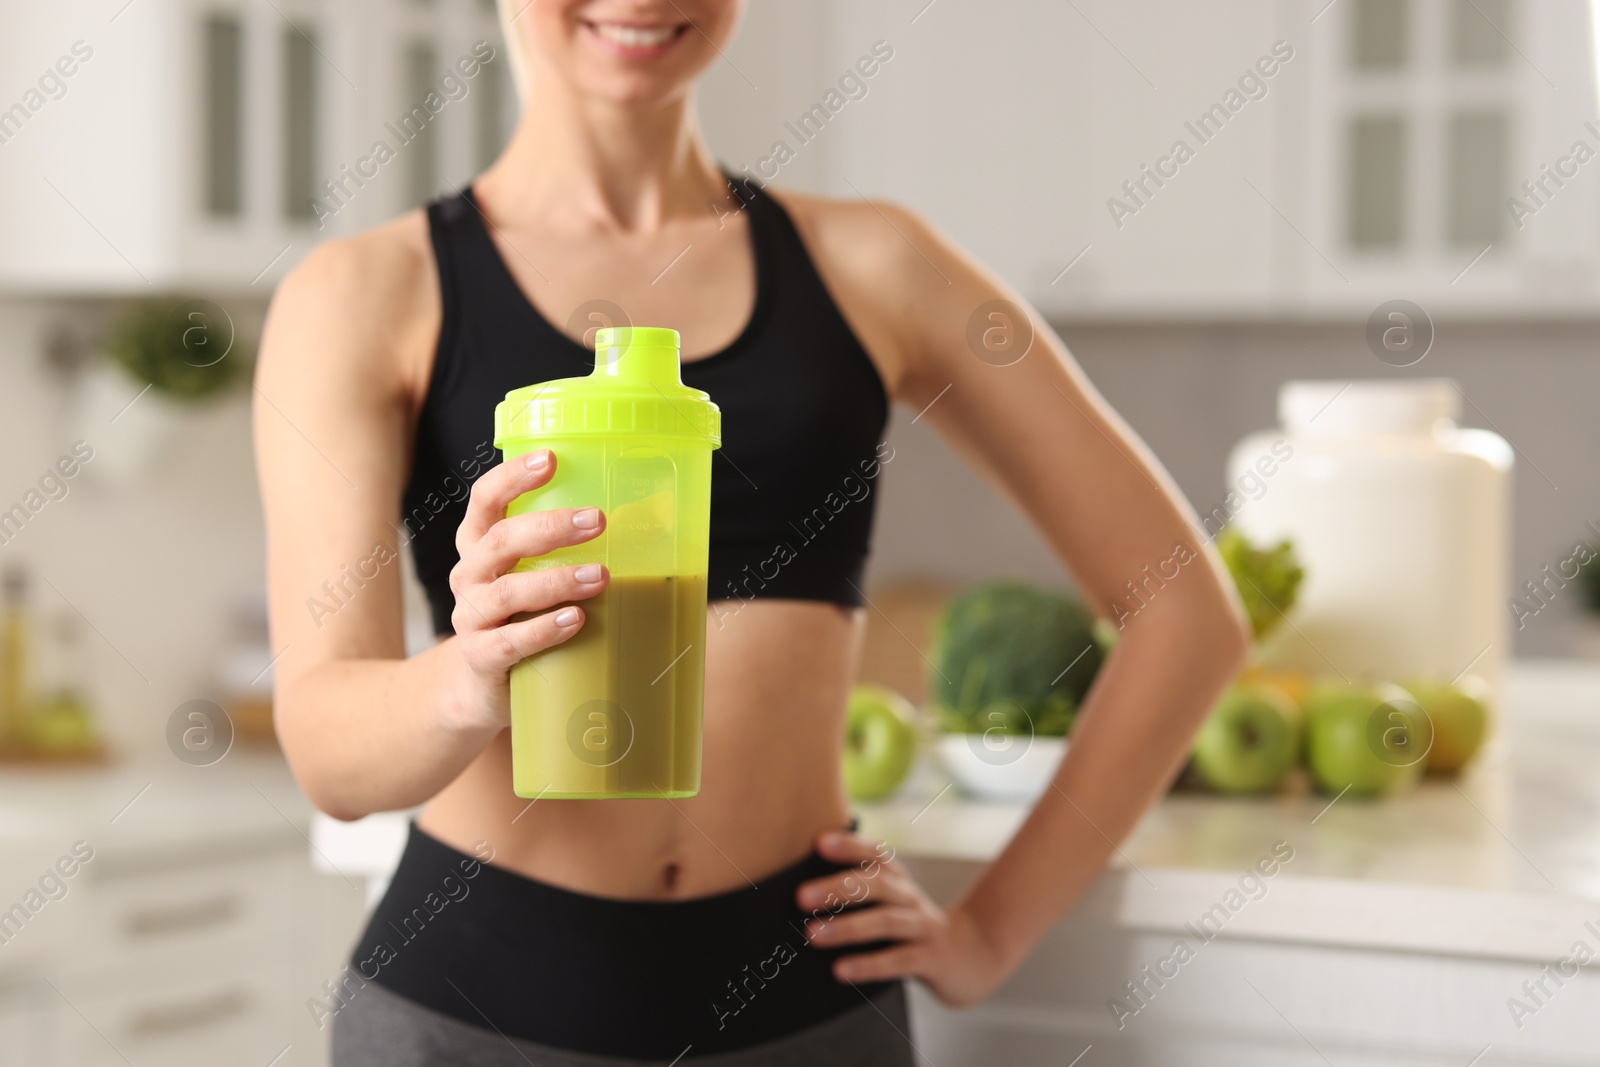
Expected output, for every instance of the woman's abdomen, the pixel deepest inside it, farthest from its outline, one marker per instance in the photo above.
(777, 674)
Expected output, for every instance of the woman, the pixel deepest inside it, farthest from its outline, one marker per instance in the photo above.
(613, 932)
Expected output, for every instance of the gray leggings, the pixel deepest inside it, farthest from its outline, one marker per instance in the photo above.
(383, 1029)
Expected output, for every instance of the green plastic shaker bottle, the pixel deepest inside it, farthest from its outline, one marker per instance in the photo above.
(615, 711)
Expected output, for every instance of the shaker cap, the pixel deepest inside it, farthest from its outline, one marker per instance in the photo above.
(635, 388)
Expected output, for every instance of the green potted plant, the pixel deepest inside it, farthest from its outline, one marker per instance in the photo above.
(185, 349)
(162, 359)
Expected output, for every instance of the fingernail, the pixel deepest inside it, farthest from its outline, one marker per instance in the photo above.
(537, 461)
(834, 839)
(589, 572)
(567, 617)
(587, 519)
(845, 969)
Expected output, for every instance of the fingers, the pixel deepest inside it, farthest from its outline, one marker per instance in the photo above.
(844, 846)
(525, 536)
(483, 606)
(833, 893)
(882, 923)
(901, 961)
(488, 592)
(503, 647)
(869, 861)
(900, 911)
(497, 488)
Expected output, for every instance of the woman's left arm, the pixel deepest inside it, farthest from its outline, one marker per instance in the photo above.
(1027, 418)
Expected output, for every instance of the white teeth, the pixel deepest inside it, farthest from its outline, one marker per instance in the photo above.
(634, 36)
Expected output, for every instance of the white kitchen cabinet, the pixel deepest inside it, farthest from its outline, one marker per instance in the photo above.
(186, 146)
(186, 909)
(1014, 128)
(1252, 999)
(194, 935)
(1480, 97)
(1011, 127)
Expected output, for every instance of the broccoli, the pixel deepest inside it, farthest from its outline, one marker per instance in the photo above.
(1012, 656)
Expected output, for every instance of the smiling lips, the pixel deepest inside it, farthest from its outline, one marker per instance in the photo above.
(633, 41)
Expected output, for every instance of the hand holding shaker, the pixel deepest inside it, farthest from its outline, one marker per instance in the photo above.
(615, 711)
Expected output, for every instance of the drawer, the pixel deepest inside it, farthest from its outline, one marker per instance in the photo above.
(156, 914)
(237, 1018)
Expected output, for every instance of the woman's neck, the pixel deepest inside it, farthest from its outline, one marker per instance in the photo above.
(595, 164)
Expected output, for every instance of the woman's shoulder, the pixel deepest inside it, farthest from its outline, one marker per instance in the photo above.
(891, 272)
(370, 299)
(872, 236)
(389, 264)
(884, 246)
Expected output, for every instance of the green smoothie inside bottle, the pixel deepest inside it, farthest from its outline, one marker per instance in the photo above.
(634, 677)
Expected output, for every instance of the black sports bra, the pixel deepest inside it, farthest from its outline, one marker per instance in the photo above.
(803, 412)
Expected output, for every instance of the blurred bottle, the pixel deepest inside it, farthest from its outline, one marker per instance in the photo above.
(14, 655)
(62, 721)
(243, 676)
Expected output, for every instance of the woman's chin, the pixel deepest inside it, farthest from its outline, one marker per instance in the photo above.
(637, 93)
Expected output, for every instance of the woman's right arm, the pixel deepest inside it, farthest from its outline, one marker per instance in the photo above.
(344, 361)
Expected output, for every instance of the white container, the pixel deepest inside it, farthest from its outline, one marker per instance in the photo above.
(1401, 520)
(1009, 770)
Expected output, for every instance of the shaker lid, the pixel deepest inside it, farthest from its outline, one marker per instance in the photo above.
(635, 388)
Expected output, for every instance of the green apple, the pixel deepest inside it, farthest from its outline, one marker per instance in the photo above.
(880, 741)
(1370, 739)
(1249, 742)
(1105, 634)
(1460, 716)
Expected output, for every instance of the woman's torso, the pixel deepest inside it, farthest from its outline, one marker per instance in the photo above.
(764, 337)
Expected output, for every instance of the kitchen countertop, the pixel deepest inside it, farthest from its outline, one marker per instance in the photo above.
(1503, 861)
(162, 811)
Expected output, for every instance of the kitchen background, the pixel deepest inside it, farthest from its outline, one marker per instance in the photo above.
(206, 147)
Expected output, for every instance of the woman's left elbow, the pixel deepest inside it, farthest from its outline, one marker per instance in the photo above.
(1210, 624)
(1215, 621)
(1232, 628)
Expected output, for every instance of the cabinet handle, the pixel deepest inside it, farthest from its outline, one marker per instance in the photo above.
(196, 915)
(162, 1020)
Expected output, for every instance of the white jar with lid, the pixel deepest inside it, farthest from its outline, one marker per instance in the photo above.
(1401, 520)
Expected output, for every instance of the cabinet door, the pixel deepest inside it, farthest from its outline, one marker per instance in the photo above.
(1014, 128)
(82, 205)
(1424, 121)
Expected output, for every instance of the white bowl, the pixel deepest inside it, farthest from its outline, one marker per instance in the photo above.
(1002, 767)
